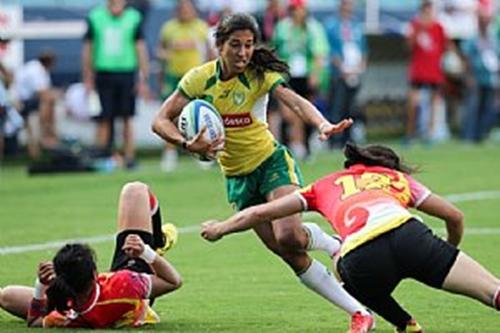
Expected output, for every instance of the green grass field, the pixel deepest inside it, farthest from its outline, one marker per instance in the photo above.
(236, 285)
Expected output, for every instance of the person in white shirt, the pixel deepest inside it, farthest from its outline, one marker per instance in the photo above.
(33, 87)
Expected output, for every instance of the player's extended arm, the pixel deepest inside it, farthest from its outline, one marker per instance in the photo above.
(252, 216)
(308, 112)
(436, 206)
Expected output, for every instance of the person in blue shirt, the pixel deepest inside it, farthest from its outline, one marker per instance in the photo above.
(481, 53)
(348, 56)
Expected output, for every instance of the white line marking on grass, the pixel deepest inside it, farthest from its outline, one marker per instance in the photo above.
(455, 198)
(59, 243)
(473, 196)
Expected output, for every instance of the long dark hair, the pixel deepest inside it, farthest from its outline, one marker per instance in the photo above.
(375, 155)
(263, 58)
(75, 268)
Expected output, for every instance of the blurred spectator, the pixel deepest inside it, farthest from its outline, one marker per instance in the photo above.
(268, 19)
(183, 45)
(5, 75)
(113, 50)
(271, 15)
(236, 6)
(301, 41)
(10, 122)
(482, 54)
(427, 41)
(459, 20)
(34, 89)
(142, 6)
(348, 56)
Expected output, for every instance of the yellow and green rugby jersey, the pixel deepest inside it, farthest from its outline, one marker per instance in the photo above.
(242, 103)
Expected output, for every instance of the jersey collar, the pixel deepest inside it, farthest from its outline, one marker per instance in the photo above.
(90, 304)
(241, 77)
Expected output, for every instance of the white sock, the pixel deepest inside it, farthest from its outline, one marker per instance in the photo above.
(319, 279)
(320, 240)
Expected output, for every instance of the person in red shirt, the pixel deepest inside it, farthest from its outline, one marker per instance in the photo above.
(427, 42)
(383, 242)
(69, 292)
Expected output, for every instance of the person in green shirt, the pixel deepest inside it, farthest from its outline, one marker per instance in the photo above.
(300, 40)
(113, 51)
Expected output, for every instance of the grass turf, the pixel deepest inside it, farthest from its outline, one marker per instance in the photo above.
(236, 285)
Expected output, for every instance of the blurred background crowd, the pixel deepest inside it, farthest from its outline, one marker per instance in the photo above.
(420, 71)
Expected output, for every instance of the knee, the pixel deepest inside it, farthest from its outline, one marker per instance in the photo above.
(291, 239)
(6, 295)
(134, 189)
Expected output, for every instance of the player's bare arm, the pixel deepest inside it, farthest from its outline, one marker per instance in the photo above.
(164, 126)
(308, 112)
(164, 121)
(436, 206)
(248, 218)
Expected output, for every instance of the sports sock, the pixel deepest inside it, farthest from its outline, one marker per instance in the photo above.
(319, 279)
(496, 299)
(154, 205)
(319, 240)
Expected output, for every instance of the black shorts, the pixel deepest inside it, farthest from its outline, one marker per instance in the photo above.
(116, 94)
(122, 261)
(410, 251)
(29, 106)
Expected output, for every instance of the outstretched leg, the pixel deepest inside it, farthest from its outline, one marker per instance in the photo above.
(467, 277)
(287, 238)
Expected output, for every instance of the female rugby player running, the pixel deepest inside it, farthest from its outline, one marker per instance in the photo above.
(256, 167)
(70, 293)
(367, 204)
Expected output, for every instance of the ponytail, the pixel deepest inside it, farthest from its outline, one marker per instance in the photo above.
(374, 155)
(60, 295)
(264, 59)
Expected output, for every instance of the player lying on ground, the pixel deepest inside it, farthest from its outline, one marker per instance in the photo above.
(70, 293)
(367, 204)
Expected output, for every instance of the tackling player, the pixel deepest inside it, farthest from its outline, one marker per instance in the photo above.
(70, 293)
(367, 204)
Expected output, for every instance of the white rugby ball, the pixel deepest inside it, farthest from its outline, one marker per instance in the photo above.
(198, 114)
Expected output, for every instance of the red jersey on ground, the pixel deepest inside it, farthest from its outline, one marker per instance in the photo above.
(364, 202)
(427, 52)
(119, 299)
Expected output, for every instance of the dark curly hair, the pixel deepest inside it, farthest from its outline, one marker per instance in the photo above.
(75, 268)
(375, 155)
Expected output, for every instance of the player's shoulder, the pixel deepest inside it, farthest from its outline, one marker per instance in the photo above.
(203, 72)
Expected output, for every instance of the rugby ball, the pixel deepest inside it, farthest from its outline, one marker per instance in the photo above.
(196, 115)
